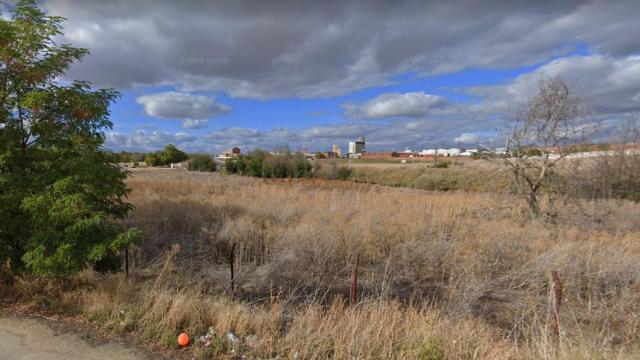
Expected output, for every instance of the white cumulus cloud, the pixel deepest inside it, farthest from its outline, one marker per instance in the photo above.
(467, 138)
(412, 104)
(193, 110)
(146, 141)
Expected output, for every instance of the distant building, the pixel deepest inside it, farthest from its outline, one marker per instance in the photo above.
(428, 152)
(336, 149)
(406, 153)
(180, 165)
(133, 164)
(469, 152)
(441, 152)
(453, 152)
(377, 155)
(331, 154)
(413, 157)
(356, 147)
(233, 152)
(230, 153)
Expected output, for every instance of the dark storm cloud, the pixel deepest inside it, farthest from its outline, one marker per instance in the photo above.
(310, 49)
(265, 49)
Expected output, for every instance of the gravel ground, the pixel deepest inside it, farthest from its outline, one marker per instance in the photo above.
(36, 339)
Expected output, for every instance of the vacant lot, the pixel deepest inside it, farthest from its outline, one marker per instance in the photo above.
(443, 275)
(460, 174)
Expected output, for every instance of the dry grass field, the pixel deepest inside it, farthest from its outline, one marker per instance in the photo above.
(462, 174)
(442, 275)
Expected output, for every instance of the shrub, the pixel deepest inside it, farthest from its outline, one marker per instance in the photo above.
(241, 166)
(432, 349)
(279, 166)
(230, 166)
(331, 170)
(344, 173)
(479, 155)
(442, 164)
(259, 163)
(533, 152)
(301, 167)
(202, 162)
(436, 182)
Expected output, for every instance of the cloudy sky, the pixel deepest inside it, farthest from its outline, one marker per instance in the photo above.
(208, 75)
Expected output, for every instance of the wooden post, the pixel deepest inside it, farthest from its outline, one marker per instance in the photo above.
(558, 297)
(232, 258)
(354, 280)
(126, 262)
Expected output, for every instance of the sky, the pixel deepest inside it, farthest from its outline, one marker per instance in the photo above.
(210, 75)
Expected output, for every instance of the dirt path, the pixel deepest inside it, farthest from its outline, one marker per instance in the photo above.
(34, 339)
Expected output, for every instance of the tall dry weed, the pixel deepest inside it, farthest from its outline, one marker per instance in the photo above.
(442, 275)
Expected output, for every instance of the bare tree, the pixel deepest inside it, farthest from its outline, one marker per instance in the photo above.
(540, 136)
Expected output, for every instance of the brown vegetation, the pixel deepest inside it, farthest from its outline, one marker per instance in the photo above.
(465, 174)
(442, 275)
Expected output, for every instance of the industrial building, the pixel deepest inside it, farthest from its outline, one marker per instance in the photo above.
(356, 148)
(336, 149)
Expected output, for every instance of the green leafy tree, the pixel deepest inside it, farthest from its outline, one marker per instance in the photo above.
(172, 154)
(124, 157)
(152, 159)
(61, 192)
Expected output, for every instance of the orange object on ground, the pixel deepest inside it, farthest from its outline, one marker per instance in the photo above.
(183, 339)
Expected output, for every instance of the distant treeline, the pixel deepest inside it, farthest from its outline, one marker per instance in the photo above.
(169, 155)
(284, 164)
(260, 163)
